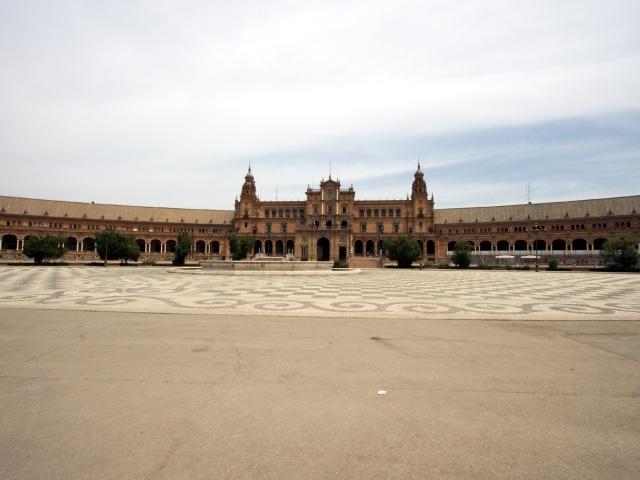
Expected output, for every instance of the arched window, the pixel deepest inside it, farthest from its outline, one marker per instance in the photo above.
(485, 246)
(539, 244)
(89, 244)
(200, 246)
(155, 246)
(598, 243)
(171, 246)
(215, 247)
(520, 245)
(141, 244)
(431, 247)
(503, 246)
(451, 246)
(358, 250)
(71, 244)
(361, 212)
(579, 244)
(9, 242)
(558, 244)
(369, 248)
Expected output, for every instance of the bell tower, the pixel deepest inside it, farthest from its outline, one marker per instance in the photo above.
(419, 187)
(247, 206)
(249, 187)
(421, 205)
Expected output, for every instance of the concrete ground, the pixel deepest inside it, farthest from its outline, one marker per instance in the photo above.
(480, 390)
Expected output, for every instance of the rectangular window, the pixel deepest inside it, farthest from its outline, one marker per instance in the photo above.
(363, 227)
(397, 212)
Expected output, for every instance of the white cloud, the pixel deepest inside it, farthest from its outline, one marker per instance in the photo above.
(205, 86)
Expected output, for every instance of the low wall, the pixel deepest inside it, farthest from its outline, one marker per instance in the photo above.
(244, 265)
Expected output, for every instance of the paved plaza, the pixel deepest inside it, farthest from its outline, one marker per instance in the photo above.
(388, 293)
(139, 373)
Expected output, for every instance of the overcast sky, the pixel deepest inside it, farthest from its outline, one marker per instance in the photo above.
(166, 103)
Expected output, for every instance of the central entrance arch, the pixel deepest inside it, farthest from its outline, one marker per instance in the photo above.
(324, 250)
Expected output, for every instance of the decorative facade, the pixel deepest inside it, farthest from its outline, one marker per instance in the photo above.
(331, 224)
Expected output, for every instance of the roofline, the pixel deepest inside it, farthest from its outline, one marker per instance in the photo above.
(541, 203)
(117, 204)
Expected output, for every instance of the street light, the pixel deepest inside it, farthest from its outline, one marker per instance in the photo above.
(255, 229)
(284, 229)
(536, 229)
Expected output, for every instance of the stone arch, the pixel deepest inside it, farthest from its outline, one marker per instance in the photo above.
(9, 242)
(358, 249)
(451, 246)
(329, 224)
(141, 244)
(431, 247)
(214, 247)
(323, 249)
(344, 225)
(291, 246)
(369, 247)
(155, 246)
(171, 246)
(71, 244)
(279, 247)
(485, 246)
(89, 244)
(598, 243)
(539, 244)
(502, 246)
(558, 244)
(579, 244)
(257, 247)
(520, 245)
(268, 247)
(201, 246)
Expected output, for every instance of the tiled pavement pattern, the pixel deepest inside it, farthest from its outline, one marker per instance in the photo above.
(371, 293)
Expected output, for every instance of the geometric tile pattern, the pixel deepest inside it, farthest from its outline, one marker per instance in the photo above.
(428, 294)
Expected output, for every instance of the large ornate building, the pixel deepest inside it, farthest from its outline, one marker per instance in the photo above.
(331, 224)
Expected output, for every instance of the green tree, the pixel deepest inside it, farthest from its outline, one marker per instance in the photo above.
(117, 246)
(108, 244)
(44, 248)
(403, 250)
(240, 246)
(183, 248)
(620, 252)
(462, 254)
(128, 249)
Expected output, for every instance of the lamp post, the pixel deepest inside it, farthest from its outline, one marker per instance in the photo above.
(255, 229)
(536, 229)
(284, 229)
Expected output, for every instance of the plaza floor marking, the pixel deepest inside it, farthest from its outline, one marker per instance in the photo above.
(392, 293)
